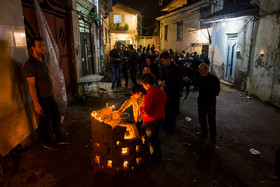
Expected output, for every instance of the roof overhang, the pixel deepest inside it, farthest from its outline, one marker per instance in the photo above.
(184, 9)
(232, 12)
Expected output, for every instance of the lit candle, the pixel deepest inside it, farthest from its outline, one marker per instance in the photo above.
(125, 164)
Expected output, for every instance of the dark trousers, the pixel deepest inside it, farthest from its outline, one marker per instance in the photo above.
(124, 71)
(170, 119)
(277, 163)
(133, 74)
(152, 131)
(186, 84)
(204, 113)
(50, 123)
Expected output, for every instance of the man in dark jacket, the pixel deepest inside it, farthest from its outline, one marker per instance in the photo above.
(171, 85)
(209, 88)
(132, 63)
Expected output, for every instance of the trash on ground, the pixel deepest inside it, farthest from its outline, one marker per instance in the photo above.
(254, 151)
(188, 119)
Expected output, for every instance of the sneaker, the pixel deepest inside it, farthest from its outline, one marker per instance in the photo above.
(51, 147)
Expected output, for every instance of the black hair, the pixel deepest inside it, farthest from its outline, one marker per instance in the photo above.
(148, 78)
(32, 41)
(165, 55)
(137, 88)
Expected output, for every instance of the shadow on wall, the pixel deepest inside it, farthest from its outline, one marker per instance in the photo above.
(17, 119)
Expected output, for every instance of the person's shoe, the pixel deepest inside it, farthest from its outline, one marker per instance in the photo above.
(51, 147)
(201, 135)
(273, 177)
(63, 142)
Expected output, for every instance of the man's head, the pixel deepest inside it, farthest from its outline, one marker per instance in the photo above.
(130, 47)
(203, 51)
(148, 81)
(118, 45)
(203, 69)
(137, 90)
(37, 46)
(165, 58)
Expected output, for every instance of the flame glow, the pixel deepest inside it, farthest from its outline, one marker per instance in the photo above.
(124, 150)
(110, 163)
(125, 164)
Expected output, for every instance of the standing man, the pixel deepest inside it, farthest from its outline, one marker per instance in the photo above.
(209, 88)
(171, 84)
(153, 113)
(41, 91)
(132, 64)
(116, 59)
(204, 57)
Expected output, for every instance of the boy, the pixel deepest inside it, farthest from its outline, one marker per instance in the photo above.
(153, 114)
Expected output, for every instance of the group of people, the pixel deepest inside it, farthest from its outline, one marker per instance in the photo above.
(126, 59)
(153, 107)
(157, 105)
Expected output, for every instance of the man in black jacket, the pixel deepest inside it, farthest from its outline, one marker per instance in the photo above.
(209, 88)
(171, 85)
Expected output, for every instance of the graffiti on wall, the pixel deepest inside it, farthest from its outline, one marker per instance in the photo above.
(260, 63)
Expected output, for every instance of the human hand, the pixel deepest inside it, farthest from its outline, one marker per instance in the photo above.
(38, 109)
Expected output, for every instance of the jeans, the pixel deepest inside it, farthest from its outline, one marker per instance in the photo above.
(152, 131)
(116, 75)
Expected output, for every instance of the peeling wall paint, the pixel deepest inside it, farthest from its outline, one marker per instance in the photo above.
(264, 78)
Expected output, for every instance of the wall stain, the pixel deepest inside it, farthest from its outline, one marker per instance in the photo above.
(259, 62)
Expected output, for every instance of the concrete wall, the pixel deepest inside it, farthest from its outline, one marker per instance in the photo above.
(17, 119)
(190, 23)
(193, 36)
(242, 27)
(264, 79)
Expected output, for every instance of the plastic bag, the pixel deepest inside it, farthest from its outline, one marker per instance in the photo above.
(52, 60)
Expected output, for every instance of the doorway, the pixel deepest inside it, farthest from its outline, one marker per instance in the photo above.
(230, 58)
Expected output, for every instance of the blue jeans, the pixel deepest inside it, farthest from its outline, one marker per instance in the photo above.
(152, 131)
(116, 75)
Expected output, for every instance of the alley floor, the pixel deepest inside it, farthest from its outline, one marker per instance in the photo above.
(242, 124)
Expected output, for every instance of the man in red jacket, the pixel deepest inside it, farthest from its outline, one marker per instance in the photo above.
(153, 114)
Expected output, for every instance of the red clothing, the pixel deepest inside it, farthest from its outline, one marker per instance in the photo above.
(153, 105)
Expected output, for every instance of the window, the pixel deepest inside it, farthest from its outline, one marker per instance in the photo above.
(117, 18)
(106, 35)
(165, 32)
(179, 30)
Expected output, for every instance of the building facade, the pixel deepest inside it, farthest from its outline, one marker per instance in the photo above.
(180, 28)
(124, 23)
(245, 47)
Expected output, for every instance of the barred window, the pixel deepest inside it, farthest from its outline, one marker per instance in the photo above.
(180, 30)
(165, 32)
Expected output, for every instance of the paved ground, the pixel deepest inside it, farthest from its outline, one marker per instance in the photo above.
(242, 124)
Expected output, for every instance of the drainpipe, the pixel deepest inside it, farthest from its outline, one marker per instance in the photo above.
(251, 46)
(213, 43)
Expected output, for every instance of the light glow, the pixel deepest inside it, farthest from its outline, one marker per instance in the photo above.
(125, 164)
(110, 163)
